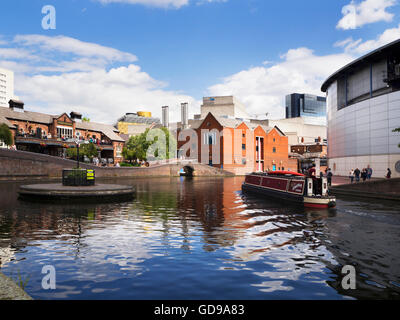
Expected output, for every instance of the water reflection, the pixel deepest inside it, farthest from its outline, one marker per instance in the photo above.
(200, 239)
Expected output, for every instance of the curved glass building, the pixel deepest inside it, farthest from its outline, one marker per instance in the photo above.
(363, 109)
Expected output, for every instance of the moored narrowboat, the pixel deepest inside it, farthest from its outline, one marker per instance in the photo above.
(291, 186)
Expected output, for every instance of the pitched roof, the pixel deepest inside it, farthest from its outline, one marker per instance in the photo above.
(7, 113)
(108, 130)
(26, 115)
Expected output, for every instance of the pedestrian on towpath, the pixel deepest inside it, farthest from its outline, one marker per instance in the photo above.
(329, 176)
(389, 173)
(369, 172)
(364, 174)
(351, 175)
(357, 173)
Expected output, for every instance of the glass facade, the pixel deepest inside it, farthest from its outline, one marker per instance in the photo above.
(305, 105)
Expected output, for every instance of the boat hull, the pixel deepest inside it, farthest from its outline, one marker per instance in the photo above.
(284, 189)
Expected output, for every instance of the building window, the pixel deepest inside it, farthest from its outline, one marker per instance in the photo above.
(210, 138)
(243, 135)
(64, 132)
(274, 150)
(119, 152)
(244, 161)
(243, 146)
(274, 139)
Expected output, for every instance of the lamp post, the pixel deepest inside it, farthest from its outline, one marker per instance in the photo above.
(77, 152)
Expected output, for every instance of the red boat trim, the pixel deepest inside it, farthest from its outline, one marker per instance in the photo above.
(285, 173)
(314, 205)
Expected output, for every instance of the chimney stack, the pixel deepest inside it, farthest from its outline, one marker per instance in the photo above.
(165, 116)
(185, 115)
(16, 104)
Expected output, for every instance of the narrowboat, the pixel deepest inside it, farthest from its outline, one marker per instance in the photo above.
(290, 186)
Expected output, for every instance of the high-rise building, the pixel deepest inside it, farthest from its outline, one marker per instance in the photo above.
(6, 86)
(305, 105)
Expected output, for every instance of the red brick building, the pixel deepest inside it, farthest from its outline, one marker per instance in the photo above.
(53, 134)
(236, 146)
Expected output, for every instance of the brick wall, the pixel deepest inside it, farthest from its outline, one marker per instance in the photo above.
(20, 165)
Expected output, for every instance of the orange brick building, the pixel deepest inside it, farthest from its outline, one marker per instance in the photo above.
(236, 146)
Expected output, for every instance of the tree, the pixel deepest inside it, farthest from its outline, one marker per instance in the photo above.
(85, 119)
(6, 135)
(137, 146)
(89, 150)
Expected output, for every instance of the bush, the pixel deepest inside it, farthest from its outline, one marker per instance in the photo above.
(6, 135)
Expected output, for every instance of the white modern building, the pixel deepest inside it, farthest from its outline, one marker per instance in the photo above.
(223, 106)
(299, 130)
(6, 86)
(363, 109)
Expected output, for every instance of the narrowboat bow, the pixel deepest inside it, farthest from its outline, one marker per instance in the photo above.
(291, 186)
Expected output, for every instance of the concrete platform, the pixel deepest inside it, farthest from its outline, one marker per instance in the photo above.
(9, 290)
(56, 191)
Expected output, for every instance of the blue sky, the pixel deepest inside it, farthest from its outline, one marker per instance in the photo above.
(142, 54)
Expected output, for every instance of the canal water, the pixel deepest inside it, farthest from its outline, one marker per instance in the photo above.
(199, 238)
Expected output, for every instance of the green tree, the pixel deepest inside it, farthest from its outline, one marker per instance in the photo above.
(85, 119)
(89, 150)
(6, 135)
(137, 147)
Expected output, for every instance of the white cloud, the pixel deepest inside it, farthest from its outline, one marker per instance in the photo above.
(102, 95)
(368, 11)
(151, 3)
(166, 4)
(359, 47)
(73, 46)
(263, 89)
(64, 74)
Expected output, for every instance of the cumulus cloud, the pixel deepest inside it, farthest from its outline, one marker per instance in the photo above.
(360, 47)
(103, 83)
(73, 46)
(366, 12)
(166, 4)
(263, 89)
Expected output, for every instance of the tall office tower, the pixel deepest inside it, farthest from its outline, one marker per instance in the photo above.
(305, 105)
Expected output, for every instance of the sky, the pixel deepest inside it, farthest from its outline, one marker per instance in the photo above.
(104, 58)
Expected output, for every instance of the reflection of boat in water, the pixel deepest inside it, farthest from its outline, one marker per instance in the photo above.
(291, 186)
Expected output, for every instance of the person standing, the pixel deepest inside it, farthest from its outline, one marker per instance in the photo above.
(329, 176)
(351, 175)
(369, 172)
(357, 174)
(364, 174)
(311, 171)
(389, 173)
